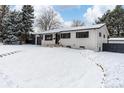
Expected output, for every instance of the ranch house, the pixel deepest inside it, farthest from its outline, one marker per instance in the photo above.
(86, 37)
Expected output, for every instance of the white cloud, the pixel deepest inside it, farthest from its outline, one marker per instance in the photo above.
(94, 12)
(16, 7)
(67, 23)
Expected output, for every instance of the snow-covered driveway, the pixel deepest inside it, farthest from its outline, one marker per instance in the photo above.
(37, 66)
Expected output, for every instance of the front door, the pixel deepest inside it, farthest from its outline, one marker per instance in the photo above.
(57, 38)
(39, 40)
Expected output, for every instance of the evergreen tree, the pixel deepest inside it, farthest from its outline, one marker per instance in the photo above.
(3, 11)
(12, 27)
(28, 16)
(114, 21)
(18, 29)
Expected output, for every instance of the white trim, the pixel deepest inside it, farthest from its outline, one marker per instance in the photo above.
(116, 39)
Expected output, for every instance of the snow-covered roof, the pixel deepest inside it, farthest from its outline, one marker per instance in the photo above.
(116, 39)
(97, 26)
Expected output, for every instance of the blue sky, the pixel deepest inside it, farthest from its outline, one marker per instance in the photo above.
(86, 13)
(72, 12)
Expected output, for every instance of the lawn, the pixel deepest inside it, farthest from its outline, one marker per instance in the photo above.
(36, 66)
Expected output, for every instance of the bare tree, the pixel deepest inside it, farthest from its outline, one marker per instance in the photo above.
(48, 20)
(77, 23)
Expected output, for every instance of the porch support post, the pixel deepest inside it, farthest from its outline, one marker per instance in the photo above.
(35, 39)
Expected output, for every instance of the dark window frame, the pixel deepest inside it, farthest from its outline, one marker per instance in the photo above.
(41, 36)
(48, 37)
(82, 34)
(100, 34)
(104, 36)
(100, 49)
(65, 35)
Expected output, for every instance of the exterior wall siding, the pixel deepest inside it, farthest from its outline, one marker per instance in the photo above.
(48, 42)
(101, 40)
(88, 43)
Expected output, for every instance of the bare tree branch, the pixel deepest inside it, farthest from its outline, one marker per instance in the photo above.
(77, 23)
(48, 20)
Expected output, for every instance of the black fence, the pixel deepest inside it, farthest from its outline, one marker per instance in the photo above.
(113, 47)
(31, 39)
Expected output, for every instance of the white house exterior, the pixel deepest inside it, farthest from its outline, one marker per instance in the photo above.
(88, 37)
(116, 40)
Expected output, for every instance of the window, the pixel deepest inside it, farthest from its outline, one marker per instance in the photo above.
(48, 37)
(82, 47)
(100, 34)
(99, 48)
(65, 35)
(41, 36)
(82, 34)
(68, 46)
(104, 36)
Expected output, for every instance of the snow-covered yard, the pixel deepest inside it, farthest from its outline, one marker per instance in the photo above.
(36, 66)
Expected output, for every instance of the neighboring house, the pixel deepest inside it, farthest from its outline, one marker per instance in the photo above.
(116, 40)
(87, 37)
(114, 45)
